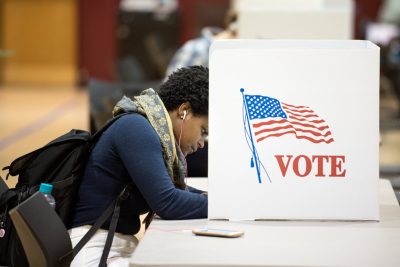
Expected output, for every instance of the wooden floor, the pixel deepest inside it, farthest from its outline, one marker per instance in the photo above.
(30, 117)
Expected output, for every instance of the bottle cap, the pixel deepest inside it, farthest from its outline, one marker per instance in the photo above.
(46, 188)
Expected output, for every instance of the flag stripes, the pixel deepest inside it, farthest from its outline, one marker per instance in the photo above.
(272, 118)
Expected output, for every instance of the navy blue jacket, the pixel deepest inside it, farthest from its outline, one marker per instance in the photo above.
(130, 150)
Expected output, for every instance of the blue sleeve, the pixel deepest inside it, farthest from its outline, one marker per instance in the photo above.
(195, 190)
(139, 148)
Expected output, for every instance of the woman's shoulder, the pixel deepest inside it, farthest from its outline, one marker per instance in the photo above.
(133, 118)
(133, 122)
(133, 130)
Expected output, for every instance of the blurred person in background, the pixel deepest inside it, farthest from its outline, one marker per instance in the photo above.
(389, 16)
(195, 52)
(390, 12)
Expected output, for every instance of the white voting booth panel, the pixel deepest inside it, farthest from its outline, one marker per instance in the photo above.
(293, 130)
(295, 19)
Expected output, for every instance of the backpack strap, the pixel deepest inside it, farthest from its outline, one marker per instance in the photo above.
(114, 206)
(97, 135)
(113, 225)
(3, 186)
(148, 219)
(6, 196)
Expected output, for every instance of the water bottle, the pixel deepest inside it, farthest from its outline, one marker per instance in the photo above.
(46, 189)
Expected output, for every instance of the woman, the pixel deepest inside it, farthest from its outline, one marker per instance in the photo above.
(147, 147)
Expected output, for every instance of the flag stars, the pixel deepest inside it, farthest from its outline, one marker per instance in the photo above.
(260, 107)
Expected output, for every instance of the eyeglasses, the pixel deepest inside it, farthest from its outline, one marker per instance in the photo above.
(204, 134)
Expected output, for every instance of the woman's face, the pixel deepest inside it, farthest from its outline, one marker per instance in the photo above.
(194, 133)
(190, 131)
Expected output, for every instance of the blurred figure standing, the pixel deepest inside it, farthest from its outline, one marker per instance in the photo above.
(195, 52)
(390, 12)
(390, 16)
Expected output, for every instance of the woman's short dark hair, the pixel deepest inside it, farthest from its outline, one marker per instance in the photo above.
(189, 84)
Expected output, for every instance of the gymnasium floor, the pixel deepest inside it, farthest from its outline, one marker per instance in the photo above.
(31, 117)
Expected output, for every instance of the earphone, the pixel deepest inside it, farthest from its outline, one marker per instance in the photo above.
(183, 120)
(184, 115)
(180, 137)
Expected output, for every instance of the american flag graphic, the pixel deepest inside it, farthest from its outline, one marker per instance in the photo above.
(271, 118)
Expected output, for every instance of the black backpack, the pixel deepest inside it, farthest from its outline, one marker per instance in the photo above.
(60, 163)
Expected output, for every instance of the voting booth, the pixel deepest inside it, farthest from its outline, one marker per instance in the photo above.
(293, 130)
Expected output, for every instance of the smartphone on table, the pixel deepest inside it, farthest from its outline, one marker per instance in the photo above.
(217, 232)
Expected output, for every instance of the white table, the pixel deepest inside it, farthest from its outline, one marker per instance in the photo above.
(277, 243)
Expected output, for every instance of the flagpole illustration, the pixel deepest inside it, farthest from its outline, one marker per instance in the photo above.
(251, 137)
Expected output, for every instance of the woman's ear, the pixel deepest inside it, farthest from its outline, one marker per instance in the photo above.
(183, 110)
(183, 117)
